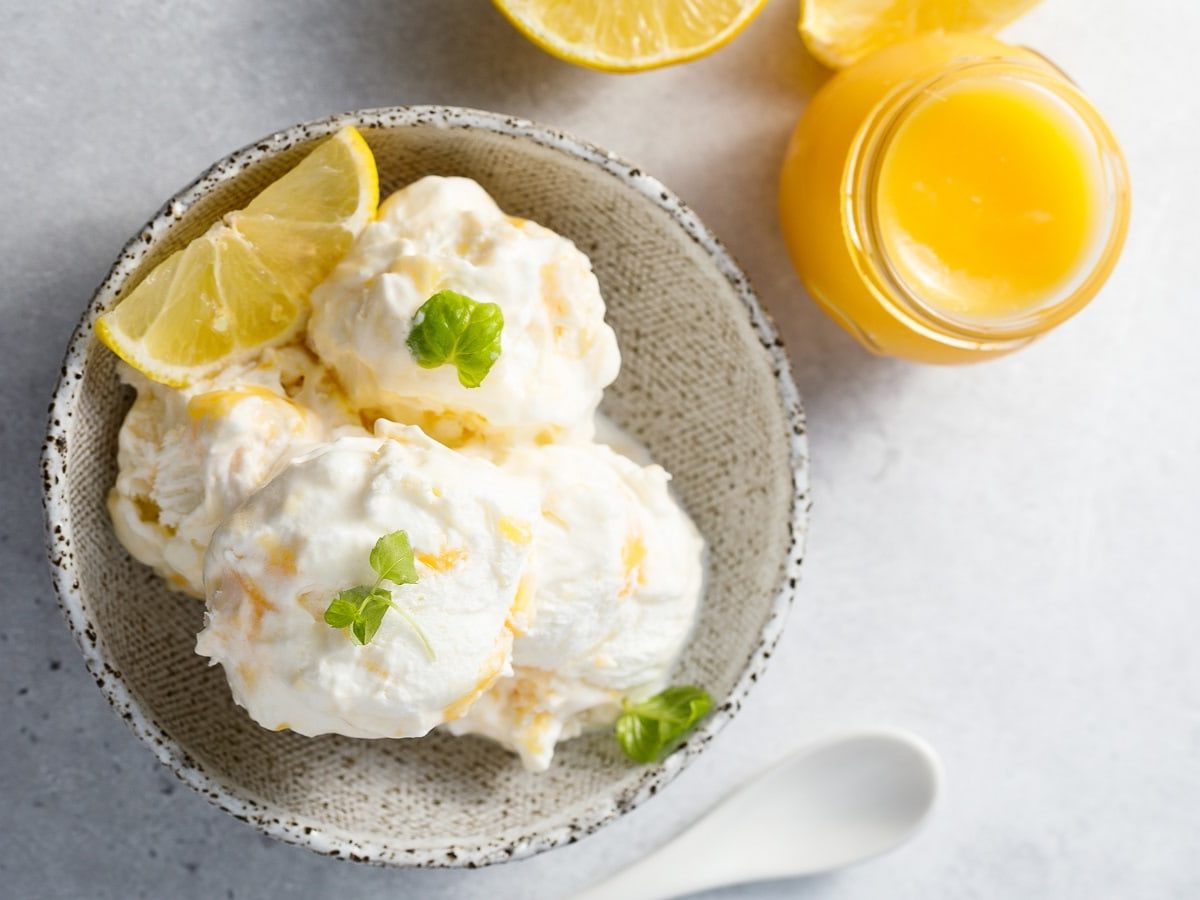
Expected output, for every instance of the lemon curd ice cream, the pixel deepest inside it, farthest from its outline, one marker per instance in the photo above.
(274, 564)
(400, 518)
(447, 233)
(616, 576)
(188, 457)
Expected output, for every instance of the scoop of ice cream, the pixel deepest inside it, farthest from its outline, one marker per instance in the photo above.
(186, 458)
(438, 233)
(617, 568)
(532, 711)
(617, 572)
(274, 566)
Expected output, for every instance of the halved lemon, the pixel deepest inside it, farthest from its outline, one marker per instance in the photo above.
(629, 35)
(841, 32)
(244, 284)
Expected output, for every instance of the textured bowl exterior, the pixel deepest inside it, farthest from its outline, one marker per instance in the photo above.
(706, 385)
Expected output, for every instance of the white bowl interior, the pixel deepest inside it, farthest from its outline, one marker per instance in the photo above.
(700, 385)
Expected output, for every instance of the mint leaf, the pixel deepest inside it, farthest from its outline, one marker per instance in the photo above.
(392, 559)
(451, 328)
(648, 729)
(632, 735)
(683, 704)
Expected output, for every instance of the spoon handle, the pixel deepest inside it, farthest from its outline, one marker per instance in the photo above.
(670, 871)
(741, 839)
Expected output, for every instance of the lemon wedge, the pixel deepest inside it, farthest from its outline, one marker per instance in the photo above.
(629, 35)
(841, 32)
(244, 284)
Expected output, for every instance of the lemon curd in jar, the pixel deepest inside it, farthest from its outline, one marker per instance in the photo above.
(950, 198)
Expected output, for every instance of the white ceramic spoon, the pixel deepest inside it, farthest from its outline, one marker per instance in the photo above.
(832, 804)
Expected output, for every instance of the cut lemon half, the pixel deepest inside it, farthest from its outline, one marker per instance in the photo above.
(244, 284)
(841, 32)
(629, 35)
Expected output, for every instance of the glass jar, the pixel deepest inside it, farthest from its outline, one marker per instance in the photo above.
(951, 198)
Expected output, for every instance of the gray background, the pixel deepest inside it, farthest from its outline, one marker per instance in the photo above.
(1002, 557)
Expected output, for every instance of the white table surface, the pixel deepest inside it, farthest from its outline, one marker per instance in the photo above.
(1002, 558)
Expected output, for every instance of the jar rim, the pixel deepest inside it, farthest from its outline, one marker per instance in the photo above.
(861, 223)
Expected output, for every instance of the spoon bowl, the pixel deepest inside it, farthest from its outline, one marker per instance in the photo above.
(829, 805)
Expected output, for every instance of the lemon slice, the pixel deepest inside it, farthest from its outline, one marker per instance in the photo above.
(841, 32)
(629, 35)
(244, 284)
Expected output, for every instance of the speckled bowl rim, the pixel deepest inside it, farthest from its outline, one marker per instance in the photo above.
(59, 534)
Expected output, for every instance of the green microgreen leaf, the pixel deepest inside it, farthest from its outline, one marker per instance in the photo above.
(342, 611)
(361, 608)
(648, 729)
(392, 559)
(451, 328)
(374, 608)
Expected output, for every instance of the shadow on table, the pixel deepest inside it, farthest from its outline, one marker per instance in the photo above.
(790, 888)
(481, 62)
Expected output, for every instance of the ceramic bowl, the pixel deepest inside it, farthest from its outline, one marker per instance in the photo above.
(704, 383)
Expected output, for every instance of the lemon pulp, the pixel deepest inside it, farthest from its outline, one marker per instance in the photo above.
(244, 284)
